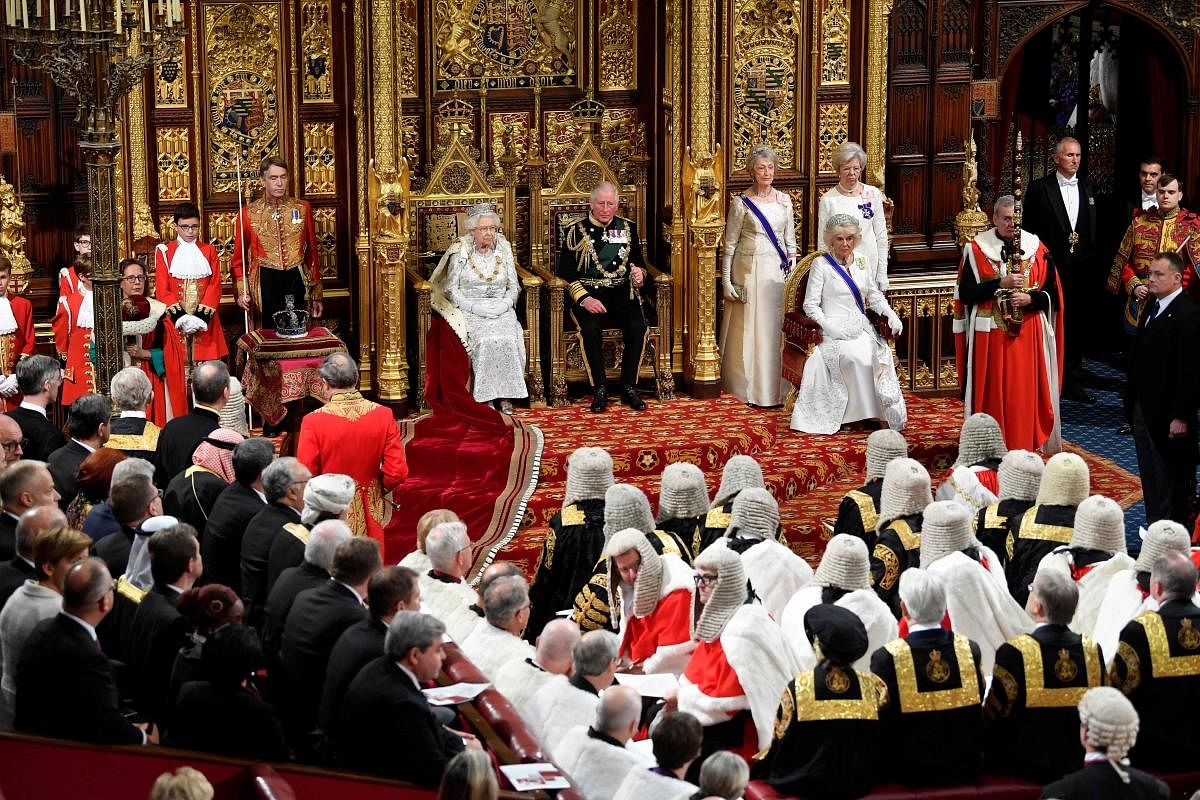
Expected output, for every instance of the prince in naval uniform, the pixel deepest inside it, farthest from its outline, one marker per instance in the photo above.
(600, 256)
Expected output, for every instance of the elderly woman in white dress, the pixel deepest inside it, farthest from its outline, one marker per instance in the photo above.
(760, 249)
(475, 289)
(863, 202)
(850, 375)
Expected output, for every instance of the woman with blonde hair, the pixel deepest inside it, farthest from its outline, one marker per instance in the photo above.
(760, 250)
(863, 202)
(851, 374)
(469, 776)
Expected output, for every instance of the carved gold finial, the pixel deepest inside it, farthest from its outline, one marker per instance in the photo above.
(971, 221)
(388, 194)
(12, 235)
(702, 174)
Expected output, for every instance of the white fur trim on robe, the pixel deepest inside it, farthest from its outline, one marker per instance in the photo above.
(764, 664)
(776, 573)
(519, 682)
(1122, 602)
(876, 617)
(677, 576)
(418, 562)
(964, 488)
(979, 604)
(451, 603)
(490, 648)
(1093, 587)
(596, 767)
(556, 709)
(642, 784)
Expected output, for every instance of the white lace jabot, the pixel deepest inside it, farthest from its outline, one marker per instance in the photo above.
(8, 323)
(188, 262)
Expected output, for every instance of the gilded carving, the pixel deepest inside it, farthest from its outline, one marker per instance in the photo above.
(619, 131)
(703, 175)
(835, 43)
(833, 128)
(763, 77)
(220, 236)
(509, 128)
(406, 45)
(320, 159)
(504, 44)
(388, 193)
(173, 146)
(325, 224)
(618, 45)
(170, 88)
(877, 101)
(12, 235)
(455, 120)
(411, 133)
(704, 178)
(316, 45)
(242, 87)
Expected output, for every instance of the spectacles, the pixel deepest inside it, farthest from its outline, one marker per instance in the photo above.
(135, 278)
(187, 227)
(705, 580)
(486, 228)
(10, 446)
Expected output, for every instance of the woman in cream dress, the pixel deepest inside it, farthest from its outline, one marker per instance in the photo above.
(863, 202)
(753, 271)
(851, 374)
(475, 291)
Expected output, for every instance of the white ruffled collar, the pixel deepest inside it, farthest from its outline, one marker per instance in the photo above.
(187, 262)
(8, 323)
(87, 313)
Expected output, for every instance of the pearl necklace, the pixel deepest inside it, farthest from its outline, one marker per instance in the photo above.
(856, 192)
(475, 269)
(755, 194)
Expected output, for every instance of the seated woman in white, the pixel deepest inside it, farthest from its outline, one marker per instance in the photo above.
(851, 374)
(475, 290)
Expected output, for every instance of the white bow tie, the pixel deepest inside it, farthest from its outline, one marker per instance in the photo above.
(1067, 181)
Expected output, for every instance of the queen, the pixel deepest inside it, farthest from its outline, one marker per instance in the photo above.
(475, 289)
(850, 375)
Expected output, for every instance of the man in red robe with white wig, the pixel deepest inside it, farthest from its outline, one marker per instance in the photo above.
(1010, 370)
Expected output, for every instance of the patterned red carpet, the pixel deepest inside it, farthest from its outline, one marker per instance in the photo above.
(807, 474)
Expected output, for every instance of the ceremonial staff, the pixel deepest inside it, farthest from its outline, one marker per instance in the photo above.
(241, 243)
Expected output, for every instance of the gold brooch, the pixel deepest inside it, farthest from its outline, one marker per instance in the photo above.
(837, 681)
(1065, 668)
(937, 670)
(1188, 637)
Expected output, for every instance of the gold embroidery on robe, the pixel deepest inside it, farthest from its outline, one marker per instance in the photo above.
(866, 509)
(1036, 693)
(912, 699)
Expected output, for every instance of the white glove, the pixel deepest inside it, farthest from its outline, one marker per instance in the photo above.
(189, 324)
(832, 330)
(731, 291)
(893, 322)
(8, 386)
(490, 308)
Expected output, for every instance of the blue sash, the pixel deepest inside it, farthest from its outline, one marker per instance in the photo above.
(845, 276)
(766, 226)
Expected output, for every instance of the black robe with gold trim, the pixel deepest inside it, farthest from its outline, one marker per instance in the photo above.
(827, 734)
(573, 544)
(690, 530)
(933, 720)
(858, 513)
(591, 610)
(897, 548)
(716, 523)
(1031, 709)
(1157, 666)
(1035, 534)
(991, 526)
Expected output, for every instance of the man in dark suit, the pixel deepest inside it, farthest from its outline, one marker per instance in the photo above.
(1161, 393)
(130, 431)
(283, 484)
(1061, 210)
(24, 485)
(178, 440)
(385, 725)
(39, 378)
(391, 590)
(87, 425)
(159, 630)
(133, 500)
(12, 440)
(65, 684)
(231, 514)
(317, 619)
(313, 572)
(21, 568)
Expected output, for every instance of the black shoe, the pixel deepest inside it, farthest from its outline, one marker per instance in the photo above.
(1125, 430)
(1079, 395)
(599, 400)
(630, 396)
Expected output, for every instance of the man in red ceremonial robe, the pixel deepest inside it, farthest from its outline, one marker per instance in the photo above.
(16, 338)
(68, 276)
(1012, 372)
(74, 319)
(353, 436)
(741, 664)
(187, 279)
(151, 344)
(275, 251)
(653, 602)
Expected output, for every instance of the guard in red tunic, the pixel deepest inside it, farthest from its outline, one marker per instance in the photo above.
(16, 338)
(1010, 370)
(74, 319)
(68, 276)
(275, 251)
(187, 279)
(353, 436)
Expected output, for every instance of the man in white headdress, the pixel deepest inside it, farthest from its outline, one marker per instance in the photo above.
(325, 497)
(775, 572)
(1048, 523)
(974, 478)
(1094, 556)
(842, 578)
(977, 601)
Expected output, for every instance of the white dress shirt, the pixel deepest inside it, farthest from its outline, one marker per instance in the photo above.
(40, 409)
(1070, 195)
(1149, 201)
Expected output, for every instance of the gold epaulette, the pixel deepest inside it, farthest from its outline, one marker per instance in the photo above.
(297, 530)
(129, 591)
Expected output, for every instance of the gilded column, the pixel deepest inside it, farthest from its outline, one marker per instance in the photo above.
(877, 95)
(703, 193)
(362, 244)
(137, 148)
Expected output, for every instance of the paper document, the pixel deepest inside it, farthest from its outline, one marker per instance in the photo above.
(528, 777)
(454, 694)
(654, 685)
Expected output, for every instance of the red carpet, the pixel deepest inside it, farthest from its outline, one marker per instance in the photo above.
(807, 474)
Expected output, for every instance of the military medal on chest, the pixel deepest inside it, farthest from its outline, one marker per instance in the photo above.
(1073, 239)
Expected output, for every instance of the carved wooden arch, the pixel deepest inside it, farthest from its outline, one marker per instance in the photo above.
(574, 179)
(456, 173)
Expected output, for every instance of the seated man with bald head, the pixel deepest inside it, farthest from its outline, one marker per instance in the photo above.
(563, 702)
(21, 568)
(497, 639)
(521, 679)
(181, 436)
(23, 486)
(595, 756)
(65, 684)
